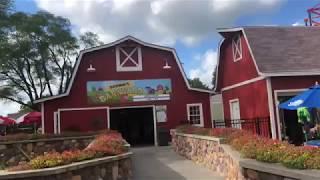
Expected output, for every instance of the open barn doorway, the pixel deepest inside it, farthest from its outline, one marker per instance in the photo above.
(135, 124)
(290, 128)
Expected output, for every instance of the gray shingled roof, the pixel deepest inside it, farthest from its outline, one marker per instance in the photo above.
(285, 49)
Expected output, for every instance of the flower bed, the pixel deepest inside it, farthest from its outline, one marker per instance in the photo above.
(262, 149)
(25, 136)
(106, 144)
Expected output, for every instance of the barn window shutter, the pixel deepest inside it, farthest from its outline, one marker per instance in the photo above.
(236, 48)
(128, 58)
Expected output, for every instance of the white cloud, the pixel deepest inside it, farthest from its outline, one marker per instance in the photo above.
(206, 68)
(8, 107)
(158, 21)
(298, 23)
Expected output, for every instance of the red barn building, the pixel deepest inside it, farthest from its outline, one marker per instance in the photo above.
(128, 85)
(260, 67)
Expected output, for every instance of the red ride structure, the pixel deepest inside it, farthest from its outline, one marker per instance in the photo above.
(313, 16)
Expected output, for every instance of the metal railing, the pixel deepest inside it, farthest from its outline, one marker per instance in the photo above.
(259, 126)
(21, 128)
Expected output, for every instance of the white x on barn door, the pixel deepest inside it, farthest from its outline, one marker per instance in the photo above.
(236, 48)
(128, 58)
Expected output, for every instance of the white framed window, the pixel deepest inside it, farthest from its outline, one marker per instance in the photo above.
(236, 48)
(195, 114)
(128, 58)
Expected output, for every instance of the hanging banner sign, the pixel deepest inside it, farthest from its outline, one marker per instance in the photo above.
(122, 91)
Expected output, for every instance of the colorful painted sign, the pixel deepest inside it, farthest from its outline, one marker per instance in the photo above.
(122, 91)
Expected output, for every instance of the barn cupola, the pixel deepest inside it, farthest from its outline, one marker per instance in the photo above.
(128, 56)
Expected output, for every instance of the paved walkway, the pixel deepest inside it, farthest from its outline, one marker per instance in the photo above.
(162, 163)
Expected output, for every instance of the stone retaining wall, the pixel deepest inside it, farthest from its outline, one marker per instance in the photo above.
(13, 152)
(106, 168)
(253, 169)
(208, 152)
(213, 154)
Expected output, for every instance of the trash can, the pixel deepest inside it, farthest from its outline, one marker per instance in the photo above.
(163, 136)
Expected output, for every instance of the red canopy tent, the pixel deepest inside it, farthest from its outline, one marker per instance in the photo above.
(6, 121)
(32, 118)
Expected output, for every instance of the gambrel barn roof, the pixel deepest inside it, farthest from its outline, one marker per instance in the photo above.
(281, 51)
(117, 42)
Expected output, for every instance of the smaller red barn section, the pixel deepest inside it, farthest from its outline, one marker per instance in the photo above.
(260, 67)
(137, 88)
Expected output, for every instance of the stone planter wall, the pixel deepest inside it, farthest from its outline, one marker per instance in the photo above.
(208, 152)
(11, 153)
(253, 169)
(107, 168)
(213, 154)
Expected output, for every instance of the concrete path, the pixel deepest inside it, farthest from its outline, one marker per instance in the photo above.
(162, 163)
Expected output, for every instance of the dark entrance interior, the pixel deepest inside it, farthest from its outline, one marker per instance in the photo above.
(135, 125)
(290, 126)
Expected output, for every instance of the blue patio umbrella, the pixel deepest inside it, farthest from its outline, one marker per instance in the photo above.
(308, 99)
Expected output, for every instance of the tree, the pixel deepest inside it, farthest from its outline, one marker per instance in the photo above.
(5, 6)
(214, 79)
(89, 39)
(36, 56)
(197, 83)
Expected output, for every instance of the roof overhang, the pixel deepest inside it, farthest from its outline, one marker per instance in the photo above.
(291, 74)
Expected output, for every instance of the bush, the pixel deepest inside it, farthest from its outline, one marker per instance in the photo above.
(247, 146)
(314, 162)
(104, 144)
(20, 167)
(24, 136)
(223, 132)
(189, 129)
(263, 149)
(110, 143)
(298, 157)
(66, 157)
(48, 160)
(271, 151)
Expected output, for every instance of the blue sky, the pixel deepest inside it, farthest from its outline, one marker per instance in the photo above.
(290, 12)
(190, 27)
